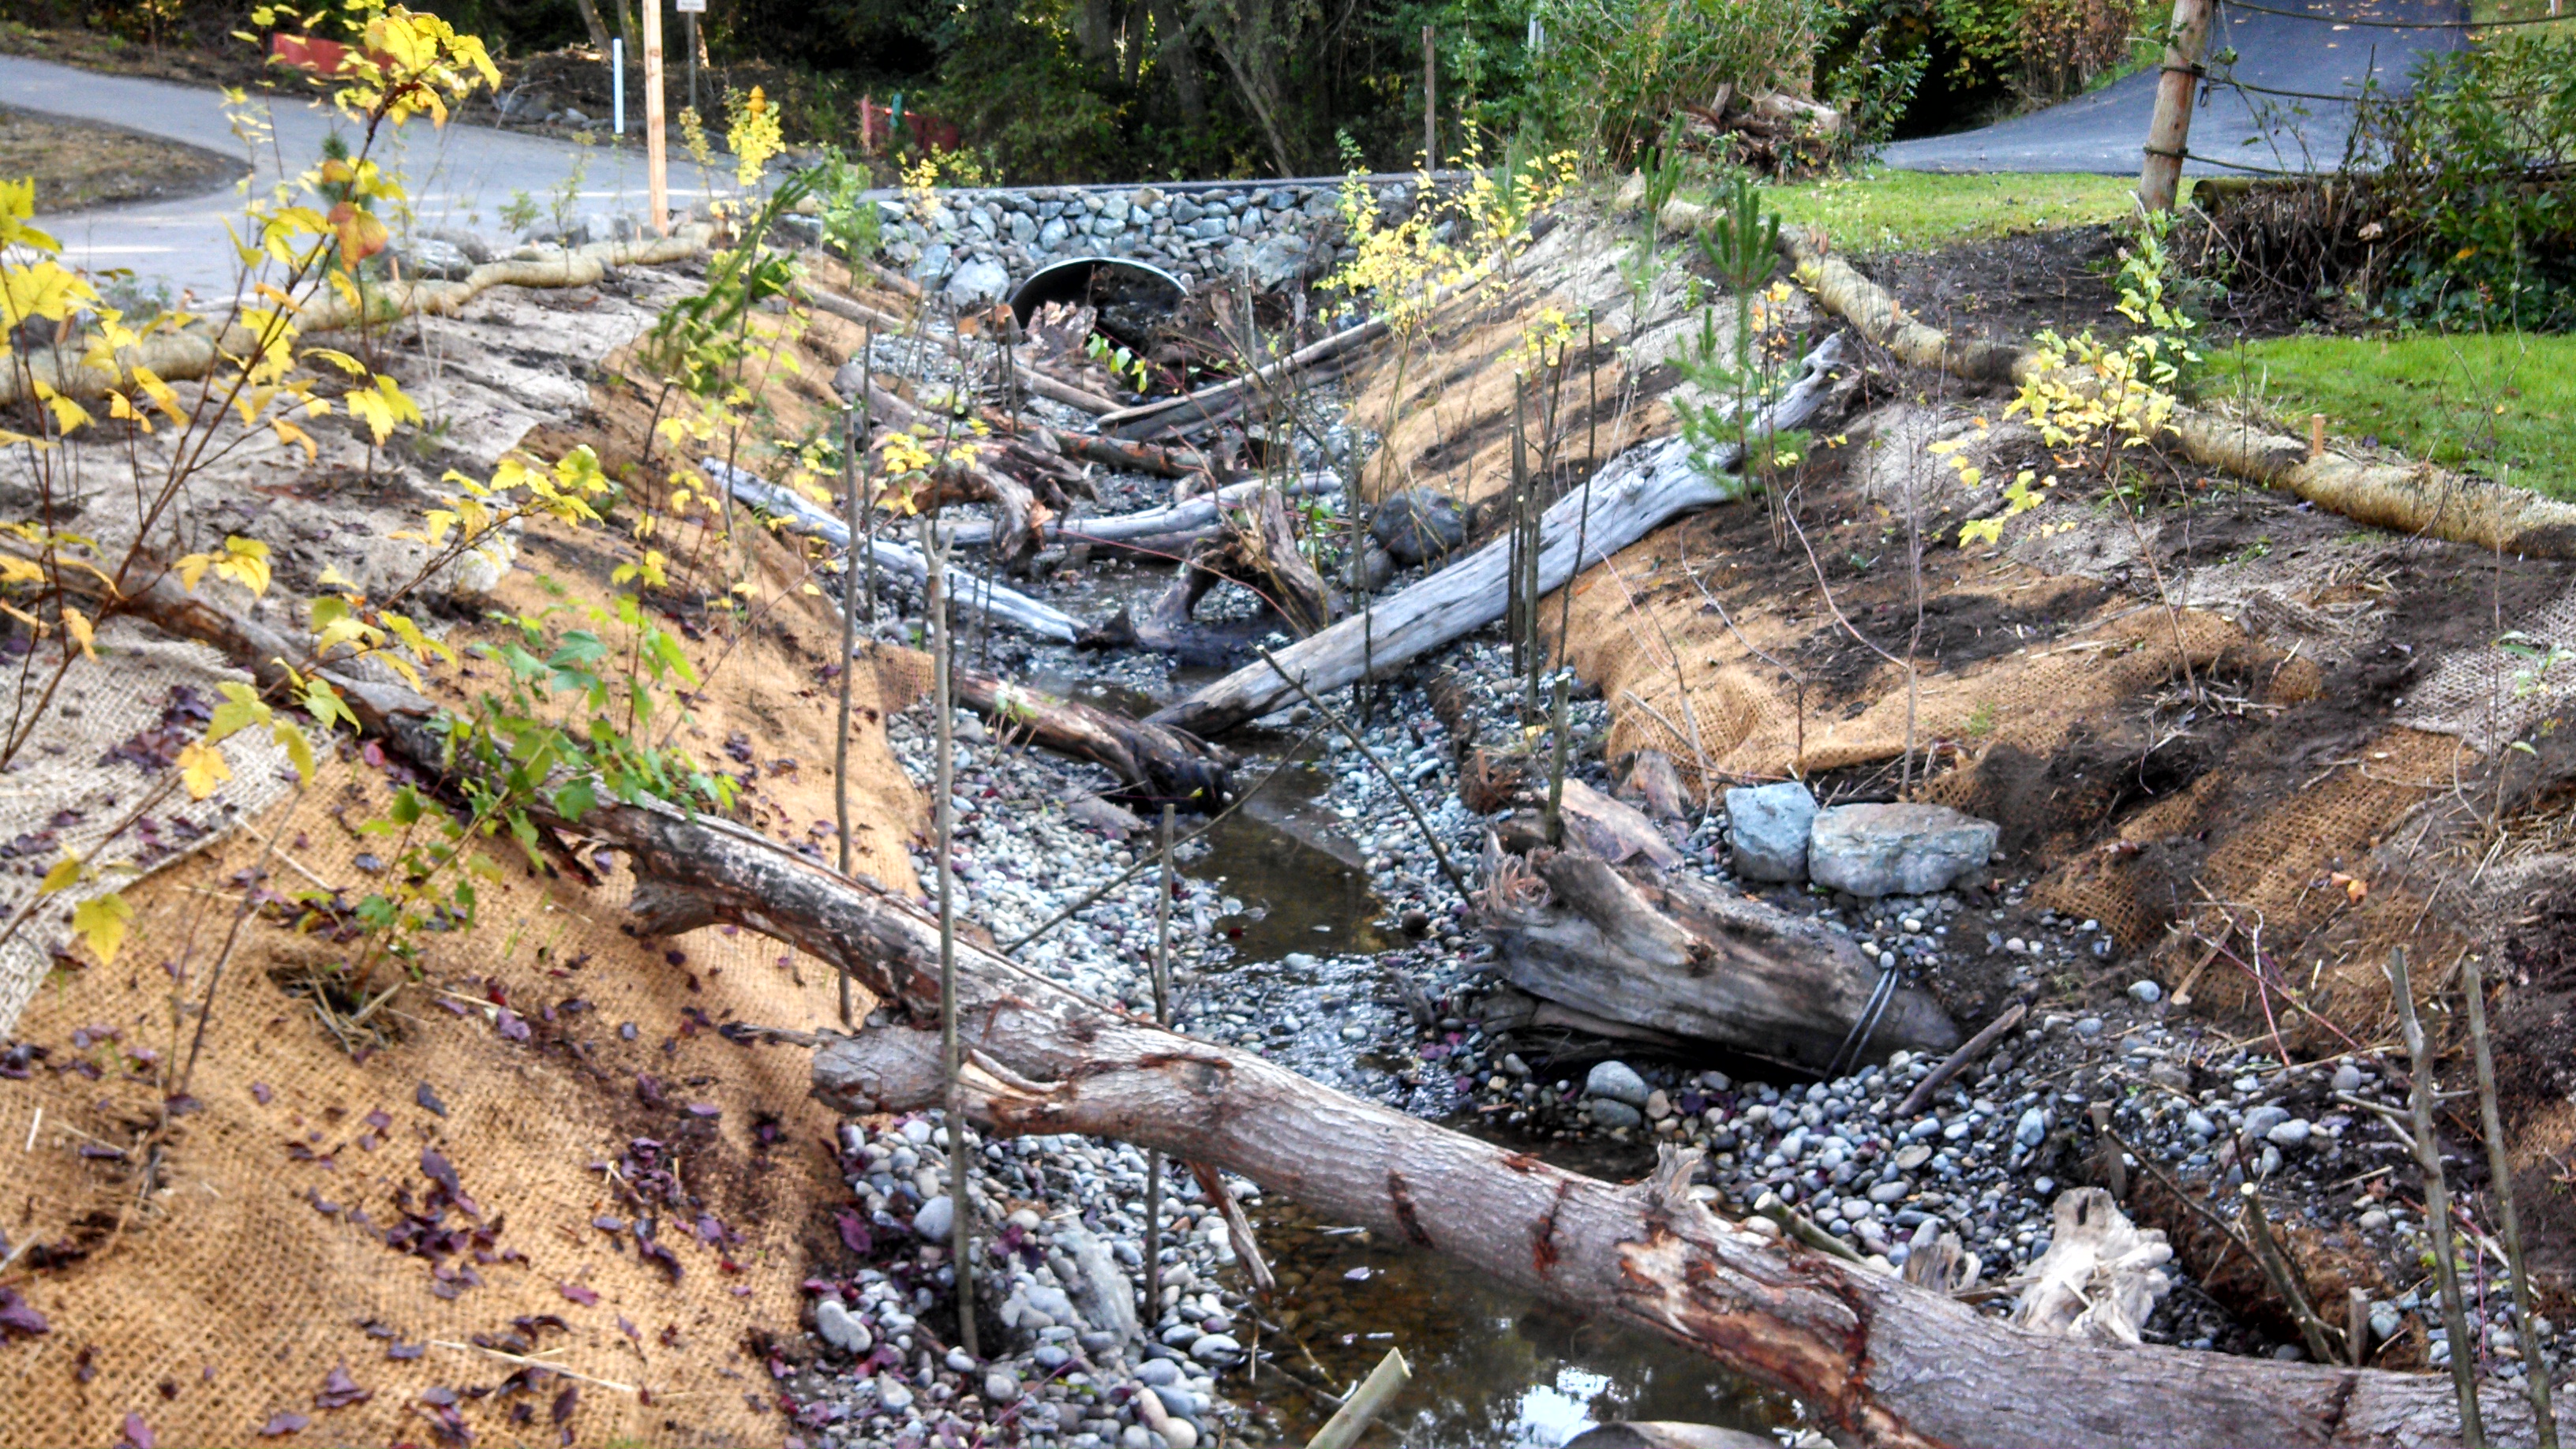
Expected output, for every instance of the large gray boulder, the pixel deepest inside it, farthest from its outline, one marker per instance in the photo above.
(1278, 261)
(1896, 850)
(978, 283)
(1417, 525)
(1767, 828)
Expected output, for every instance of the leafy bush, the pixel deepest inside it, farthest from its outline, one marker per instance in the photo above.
(2474, 177)
(2038, 50)
(1614, 71)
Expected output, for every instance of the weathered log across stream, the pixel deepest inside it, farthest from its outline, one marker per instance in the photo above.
(1876, 1358)
(1624, 502)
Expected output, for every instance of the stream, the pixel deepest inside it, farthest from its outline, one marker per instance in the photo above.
(1491, 1366)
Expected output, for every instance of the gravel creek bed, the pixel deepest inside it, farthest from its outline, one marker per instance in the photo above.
(1313, 926)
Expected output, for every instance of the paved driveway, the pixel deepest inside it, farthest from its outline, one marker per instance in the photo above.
(460, 175)
(2107, 130)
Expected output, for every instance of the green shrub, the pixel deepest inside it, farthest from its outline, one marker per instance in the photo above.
(2473, 176)
(1614, 71)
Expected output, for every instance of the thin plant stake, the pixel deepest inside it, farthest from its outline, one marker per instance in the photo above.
(2500, 1172)
(850, 472)
(1422, 822)
(2437, 1205)
(934, 591)
(1162, 1017)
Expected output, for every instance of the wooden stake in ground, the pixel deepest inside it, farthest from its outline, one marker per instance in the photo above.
(2169, 133)
(850, 471)
(657, 176)
(2437, 1203)
(1162, 1017)
(934, 600)
(2500, 1173)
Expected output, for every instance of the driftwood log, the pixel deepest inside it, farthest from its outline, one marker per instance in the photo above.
(1156, 763)
(1044, 385)
(1223, 400)
(1187, 519)
(1878, 1359)
(971, 595)
(1677, 955)
(1626, 500)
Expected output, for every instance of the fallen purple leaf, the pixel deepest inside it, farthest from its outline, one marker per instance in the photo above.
(17, 1315)
(339, 1391)
(283, 1425)
(428, 1100)
(854, 1233)
(260, 1093)
(580, 1293)
(138, 1433)
(438, 1170)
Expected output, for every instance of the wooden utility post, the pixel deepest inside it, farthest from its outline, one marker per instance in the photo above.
(657, 179)
(2169, 134)
(1430, 104)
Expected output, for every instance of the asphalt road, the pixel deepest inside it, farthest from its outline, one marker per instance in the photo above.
(459, 175)
(2107, 130)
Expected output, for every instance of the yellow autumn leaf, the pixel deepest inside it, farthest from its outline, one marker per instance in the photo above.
(289, 435)
(65, 874)
(202, 768)
(78, 623)
(101, 922)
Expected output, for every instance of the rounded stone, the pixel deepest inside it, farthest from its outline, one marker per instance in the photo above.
(935, 1219)
(1618, 1082)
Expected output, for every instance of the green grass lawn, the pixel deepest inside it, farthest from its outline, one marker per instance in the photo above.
(1901, 210)
(2501, 404)
(2489, 11)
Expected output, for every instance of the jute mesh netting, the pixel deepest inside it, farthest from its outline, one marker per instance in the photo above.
(100, 753)
(571, 1077)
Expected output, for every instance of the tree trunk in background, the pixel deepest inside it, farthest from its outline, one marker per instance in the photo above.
(1095, 28)
(590, 22)
(1180, 60)
(626, 28)
(1248, 39)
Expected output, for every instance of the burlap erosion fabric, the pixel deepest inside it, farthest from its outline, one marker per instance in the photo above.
(104, 748)
(570, 1078)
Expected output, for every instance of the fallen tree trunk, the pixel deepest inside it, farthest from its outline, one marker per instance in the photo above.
(1132, 457)
(1224, 399)
(2414, 499)
(1191, 516)
(1680, 956)
(887, 323)
(970, 595)
(1051, 388)
(1881, 1360)
(1159, 765)
(1630, 498)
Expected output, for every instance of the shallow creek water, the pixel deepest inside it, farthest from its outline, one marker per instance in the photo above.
(1493, 1368)
(1491, 1365)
